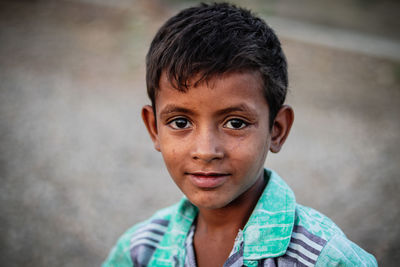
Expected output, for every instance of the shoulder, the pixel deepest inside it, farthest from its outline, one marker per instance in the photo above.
(316, 239)
(315, 223)
(136, 246)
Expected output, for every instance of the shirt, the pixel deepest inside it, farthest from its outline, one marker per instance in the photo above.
(279, 232)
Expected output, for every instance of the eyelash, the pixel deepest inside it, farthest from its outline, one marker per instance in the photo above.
(173, 123)
(242, 122)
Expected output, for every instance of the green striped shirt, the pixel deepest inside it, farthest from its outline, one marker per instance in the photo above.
(279, 232)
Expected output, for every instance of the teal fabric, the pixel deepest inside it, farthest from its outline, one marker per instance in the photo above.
(340, 251)
(278, 228)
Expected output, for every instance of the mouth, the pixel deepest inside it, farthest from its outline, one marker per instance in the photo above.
(208, 180)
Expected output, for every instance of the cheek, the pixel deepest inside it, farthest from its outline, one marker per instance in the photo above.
(170, 155)
(249, 151)
(172, 152)
(251, 142)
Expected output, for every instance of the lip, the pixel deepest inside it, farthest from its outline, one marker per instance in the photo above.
(208, 180)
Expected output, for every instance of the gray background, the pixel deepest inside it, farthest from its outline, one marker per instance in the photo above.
(77, 167)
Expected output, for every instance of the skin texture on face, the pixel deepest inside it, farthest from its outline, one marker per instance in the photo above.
(214, 138)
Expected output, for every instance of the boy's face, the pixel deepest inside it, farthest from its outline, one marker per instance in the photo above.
(214, 138)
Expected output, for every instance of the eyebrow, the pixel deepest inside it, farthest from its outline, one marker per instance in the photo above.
(240, 108)
(170, 108)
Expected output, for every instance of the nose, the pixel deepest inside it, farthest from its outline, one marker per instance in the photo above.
(207, 146)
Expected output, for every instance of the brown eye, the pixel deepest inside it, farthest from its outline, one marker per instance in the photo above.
(235, 124)
(179, 123)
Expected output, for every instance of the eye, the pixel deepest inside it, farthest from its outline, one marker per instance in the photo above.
(235, 124)
(179, 123)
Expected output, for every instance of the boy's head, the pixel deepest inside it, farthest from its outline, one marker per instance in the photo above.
(210, 40)
(217, 80)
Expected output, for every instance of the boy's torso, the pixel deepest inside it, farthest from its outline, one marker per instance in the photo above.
(278, 233)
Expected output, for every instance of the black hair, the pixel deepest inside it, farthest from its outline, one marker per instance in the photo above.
(213, 39)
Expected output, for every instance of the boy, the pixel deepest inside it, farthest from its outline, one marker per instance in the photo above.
(217, 80)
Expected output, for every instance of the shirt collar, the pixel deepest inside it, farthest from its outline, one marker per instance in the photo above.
(268, 231)
(269, 228)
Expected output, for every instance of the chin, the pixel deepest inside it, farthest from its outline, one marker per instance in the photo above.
(209, 203)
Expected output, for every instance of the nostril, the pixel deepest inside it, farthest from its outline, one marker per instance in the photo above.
(207, 157)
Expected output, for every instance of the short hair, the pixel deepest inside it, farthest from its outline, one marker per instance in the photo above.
(213, 39)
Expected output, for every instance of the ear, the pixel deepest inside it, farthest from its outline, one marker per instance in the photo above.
(149, 120)
(281, 128)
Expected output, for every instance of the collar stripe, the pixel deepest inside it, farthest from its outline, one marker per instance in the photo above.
(304, 256)
(295, 241)
(301, 230)
(142, 254)
(299, 260)
(306, 240)
(145, 240)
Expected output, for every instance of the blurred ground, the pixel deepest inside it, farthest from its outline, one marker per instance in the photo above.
(77, 167)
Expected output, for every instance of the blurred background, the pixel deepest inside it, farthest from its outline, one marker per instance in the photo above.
(77, 167)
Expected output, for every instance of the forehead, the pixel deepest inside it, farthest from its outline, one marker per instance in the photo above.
(218, 92)
(248, 79)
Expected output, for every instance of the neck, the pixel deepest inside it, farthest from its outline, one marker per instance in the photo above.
(233, 216)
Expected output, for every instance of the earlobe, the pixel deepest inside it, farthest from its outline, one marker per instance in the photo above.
(281, 128)
(149, 120)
